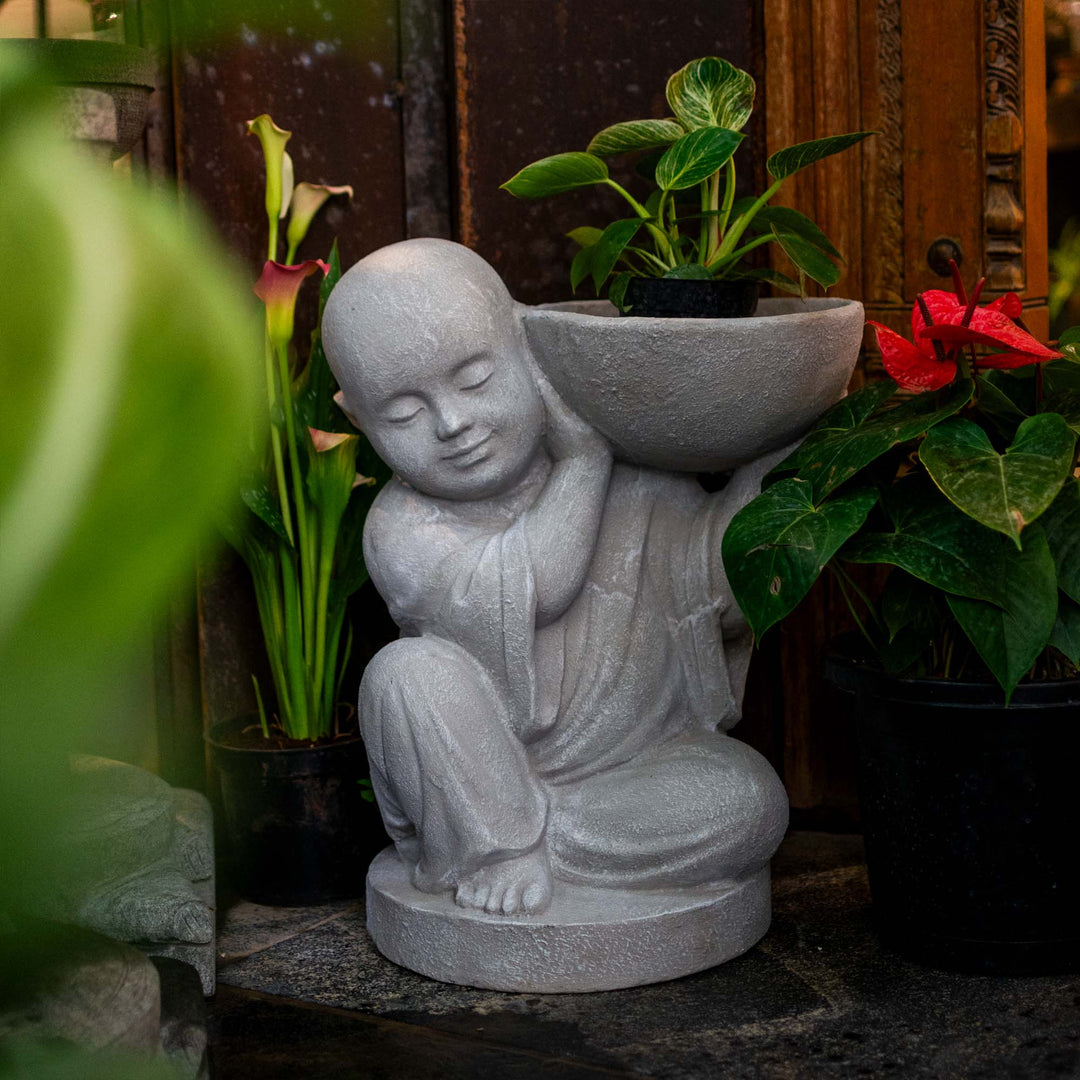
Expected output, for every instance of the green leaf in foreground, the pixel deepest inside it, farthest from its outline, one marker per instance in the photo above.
(840, 445)
(635, 135)
(1004, 491)
(585, 235)
(785, 163)
(695, 157)
(776, 547)
(1009, 638)
(1061, 523)
(786, 220)
(556, 174)
(710, 92)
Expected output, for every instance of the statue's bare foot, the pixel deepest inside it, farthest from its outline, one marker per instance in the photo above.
(521, 884)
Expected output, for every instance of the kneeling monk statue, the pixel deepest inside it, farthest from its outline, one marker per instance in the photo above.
(550, 726)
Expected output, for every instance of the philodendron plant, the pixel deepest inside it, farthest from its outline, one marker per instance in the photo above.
(967, 491)
(666, 237)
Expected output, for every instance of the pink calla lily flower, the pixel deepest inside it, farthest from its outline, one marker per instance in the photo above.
(277, 288)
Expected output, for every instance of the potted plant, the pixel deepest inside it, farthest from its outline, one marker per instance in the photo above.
(674, 257)
(292, 778)
(965, 668)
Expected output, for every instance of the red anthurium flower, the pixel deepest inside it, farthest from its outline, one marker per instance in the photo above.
(945, 323)
(914, 367)
(277, 288)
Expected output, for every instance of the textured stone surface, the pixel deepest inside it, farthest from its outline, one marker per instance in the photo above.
(589, 939)
(698, 394)
(571, 654)
(818, 997)
(139, 863)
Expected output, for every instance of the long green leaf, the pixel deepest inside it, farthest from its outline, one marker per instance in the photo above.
(695, 157)
(840, 445)
(585, 235)
(710, 92)
(556, 174)
(793, 223)
(785, 163)
(1061, 523)
(1009, 638)
(635, 135)
(776, 547)
(811, 261)
(1004, 491)
(606, 251)
(581, 267)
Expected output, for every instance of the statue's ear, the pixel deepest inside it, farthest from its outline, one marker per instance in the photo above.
(339, 400)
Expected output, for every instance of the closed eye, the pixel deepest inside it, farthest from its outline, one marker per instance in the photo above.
(403, 419)
(476, 383)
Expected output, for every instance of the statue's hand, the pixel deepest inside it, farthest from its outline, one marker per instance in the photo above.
(566, 434)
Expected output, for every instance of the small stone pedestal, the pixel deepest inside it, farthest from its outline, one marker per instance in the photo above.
(588, 939)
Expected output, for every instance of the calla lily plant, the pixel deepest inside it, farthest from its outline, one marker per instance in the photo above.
(310, 486)
(690, 225)
(966, 487)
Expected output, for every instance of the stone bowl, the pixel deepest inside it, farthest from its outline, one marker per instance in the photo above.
(698, 395)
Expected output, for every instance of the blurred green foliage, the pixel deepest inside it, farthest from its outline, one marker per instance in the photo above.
(129, 399)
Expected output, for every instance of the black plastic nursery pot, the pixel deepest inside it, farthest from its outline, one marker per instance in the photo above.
(970, 816)
(686, 298)
(296, 828)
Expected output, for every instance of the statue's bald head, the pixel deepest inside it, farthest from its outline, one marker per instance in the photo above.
(401, 303)
(426, 344)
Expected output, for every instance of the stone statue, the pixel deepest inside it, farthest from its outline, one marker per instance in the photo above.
(548, 736)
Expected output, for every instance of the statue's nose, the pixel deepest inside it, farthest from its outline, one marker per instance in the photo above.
(451, 423)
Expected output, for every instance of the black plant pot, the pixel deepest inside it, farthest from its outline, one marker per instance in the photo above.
(970, 817)
(686, 298)
(296, 827)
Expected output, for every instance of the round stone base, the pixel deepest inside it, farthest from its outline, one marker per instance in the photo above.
(588, 939)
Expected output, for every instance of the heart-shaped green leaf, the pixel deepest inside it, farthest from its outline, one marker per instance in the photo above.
(932, 541)
(777, 545)
(1061, 523)
(1010, 637)
(785, 163)
(635, 135)
(1004, 491)
(695, 157)
(843, 442)
(710, 92)
(556, 174)
(1066, 633)
(813, 263)
(612, 243)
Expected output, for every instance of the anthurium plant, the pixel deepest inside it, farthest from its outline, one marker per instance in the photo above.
(965, 487)
(311, 483)
(692, 151)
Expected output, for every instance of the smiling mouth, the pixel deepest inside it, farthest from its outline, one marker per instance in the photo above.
(464, 456)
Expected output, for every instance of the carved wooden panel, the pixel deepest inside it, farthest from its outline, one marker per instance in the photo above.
(957, 96)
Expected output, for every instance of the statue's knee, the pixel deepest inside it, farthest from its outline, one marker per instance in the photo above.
(414, 678)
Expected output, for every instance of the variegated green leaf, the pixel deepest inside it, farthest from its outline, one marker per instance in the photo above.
(710, 92)
(635, 135)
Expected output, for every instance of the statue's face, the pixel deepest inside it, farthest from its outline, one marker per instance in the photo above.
(453, 408)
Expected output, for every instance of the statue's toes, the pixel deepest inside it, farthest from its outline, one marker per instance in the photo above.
(511, 901)
(494, 902)
(465, 895)
(535, 897)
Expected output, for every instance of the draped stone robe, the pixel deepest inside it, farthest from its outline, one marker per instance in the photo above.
(597, 734)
